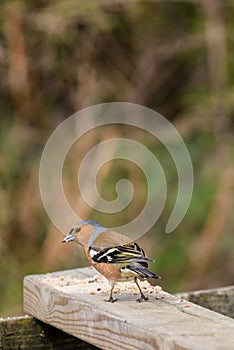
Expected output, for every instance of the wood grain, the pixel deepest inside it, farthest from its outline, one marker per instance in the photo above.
(167, 322)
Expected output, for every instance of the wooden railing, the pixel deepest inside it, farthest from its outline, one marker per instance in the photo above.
(71, 318)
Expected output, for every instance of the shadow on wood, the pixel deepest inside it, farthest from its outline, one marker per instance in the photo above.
(27, 333)
(219, 299)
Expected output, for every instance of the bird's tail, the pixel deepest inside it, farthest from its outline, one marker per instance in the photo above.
(141, 271)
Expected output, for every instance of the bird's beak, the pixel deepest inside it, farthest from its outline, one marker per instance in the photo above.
(69, 238)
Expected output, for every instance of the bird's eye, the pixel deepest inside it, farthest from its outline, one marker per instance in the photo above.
(77, 229)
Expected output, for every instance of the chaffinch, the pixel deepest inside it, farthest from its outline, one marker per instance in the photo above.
(112, 254)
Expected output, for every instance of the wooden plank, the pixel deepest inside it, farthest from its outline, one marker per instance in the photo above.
(25, 332)
(218, 299)
(164, 322)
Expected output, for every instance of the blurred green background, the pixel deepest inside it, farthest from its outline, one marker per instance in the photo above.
(176, 57)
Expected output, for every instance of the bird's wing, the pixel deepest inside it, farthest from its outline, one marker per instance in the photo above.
(139, 270)
(121, 254)
(108, 239)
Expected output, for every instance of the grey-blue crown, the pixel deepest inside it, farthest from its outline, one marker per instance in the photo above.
(91, 222)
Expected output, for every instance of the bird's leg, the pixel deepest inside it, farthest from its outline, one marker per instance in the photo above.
(143, 297)
(111, 299)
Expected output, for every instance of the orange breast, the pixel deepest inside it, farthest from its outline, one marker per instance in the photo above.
(110, 271)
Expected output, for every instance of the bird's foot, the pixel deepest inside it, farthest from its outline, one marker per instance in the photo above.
(142, 298)
(111, 300)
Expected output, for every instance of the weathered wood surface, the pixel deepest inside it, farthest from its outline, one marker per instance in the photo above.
(27, 333)
(166, 323)
(219, 299)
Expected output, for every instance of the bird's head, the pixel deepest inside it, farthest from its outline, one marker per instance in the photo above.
(72, 234)
(82, 232)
